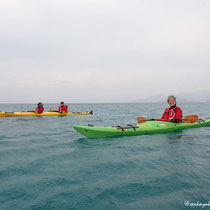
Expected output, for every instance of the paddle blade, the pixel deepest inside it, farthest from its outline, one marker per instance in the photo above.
(141, 120)
(190, 119)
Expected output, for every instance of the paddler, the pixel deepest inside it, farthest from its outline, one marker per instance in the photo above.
(39, 108)
(172, 113)
(63, 108)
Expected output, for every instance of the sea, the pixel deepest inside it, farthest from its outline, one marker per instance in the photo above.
(46, 164)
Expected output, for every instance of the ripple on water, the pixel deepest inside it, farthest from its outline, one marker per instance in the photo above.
(45, 164)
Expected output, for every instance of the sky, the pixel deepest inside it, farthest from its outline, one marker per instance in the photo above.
(102, 51)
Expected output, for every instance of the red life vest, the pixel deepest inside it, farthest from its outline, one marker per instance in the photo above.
(39, 110)
(173, 113)
(63, 108)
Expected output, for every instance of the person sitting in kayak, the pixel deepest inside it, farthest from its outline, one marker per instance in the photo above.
(173, 113)
(39, 108)
(63, 108)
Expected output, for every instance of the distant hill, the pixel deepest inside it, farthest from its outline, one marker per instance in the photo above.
(198, 96)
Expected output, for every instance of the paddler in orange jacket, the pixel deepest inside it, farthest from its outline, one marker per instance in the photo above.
(39, 108)
(173, 113)
(63, 108)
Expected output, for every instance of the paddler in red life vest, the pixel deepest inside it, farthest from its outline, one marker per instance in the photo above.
(173, 113)
(63, 108)
(39, 108)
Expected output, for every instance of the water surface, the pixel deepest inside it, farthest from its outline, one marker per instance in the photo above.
(46, 164)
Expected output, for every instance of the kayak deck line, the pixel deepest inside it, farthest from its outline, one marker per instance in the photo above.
(128, 126)
(149, 127)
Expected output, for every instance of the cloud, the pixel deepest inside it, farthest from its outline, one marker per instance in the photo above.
(55, 80)
(106, 48)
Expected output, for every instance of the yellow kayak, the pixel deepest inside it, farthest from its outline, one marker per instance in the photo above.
(49, 113)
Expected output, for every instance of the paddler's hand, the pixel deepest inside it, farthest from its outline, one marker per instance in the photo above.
(172, 120)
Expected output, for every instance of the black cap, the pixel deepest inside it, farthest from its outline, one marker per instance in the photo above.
(40, 103)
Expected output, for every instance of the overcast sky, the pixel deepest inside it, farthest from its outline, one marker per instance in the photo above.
(102, 50)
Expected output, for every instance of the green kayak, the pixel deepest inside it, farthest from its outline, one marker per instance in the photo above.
(149, 127)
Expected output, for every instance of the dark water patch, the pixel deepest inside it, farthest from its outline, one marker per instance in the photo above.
(2, 137)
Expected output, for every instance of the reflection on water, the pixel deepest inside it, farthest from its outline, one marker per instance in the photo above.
(174, 137)
(180, 137)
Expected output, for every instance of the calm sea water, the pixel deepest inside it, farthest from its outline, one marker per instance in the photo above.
(46, 164)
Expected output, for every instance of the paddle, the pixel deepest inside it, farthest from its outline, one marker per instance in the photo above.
(187, 119)
(51, 110)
